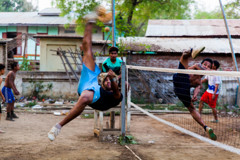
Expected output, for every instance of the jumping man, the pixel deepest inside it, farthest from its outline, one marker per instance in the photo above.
(91, 93)
(183, 83)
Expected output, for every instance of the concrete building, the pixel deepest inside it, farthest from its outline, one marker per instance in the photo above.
(28, 24)
(49, 61)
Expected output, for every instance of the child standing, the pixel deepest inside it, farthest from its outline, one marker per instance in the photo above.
(7, 91)
(2, 67)
(211, 94)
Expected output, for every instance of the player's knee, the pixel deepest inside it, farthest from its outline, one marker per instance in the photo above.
(191, 108)
(85, 99)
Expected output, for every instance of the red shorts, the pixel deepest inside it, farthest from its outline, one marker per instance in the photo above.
(207, 98)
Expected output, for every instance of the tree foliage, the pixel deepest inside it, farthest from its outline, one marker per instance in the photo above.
(132, 15)
(16, 6)
(208, 15)
(232, 11)
(136, 13)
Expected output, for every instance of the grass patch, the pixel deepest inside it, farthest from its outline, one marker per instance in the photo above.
(129, 139)
(152, 107)
(30, 104)
(87, 116)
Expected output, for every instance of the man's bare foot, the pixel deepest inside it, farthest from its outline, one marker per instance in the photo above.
(1, 131)
(100, 14)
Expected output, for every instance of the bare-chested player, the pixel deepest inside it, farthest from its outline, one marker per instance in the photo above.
(2, 71)
(183, 83)
(7, 91)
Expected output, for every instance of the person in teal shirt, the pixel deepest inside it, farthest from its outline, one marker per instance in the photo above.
(113, 62)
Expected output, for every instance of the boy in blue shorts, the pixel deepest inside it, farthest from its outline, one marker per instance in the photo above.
(8, 93)
(91, 93)
(184, 82)
(2, 67)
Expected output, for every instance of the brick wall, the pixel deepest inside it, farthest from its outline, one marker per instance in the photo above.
(171, 61)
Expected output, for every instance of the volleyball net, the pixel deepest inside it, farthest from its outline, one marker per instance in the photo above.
(153, 89)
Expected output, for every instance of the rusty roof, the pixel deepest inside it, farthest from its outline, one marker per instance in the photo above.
(173, 45)
(192, 28)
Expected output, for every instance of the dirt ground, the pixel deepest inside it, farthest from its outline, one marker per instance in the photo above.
(26, 139)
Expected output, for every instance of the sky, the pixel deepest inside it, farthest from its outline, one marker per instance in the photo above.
(209, 5)
(206, 5)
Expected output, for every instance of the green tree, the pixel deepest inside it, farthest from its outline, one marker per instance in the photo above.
(208, 15)
(232, 11)
(136, 13)
(132, 15)
(16, 6)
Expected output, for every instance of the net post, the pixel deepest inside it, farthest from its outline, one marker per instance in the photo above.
(232, 50)
(123, 100)
(113, 24)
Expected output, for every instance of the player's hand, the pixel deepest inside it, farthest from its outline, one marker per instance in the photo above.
(16, 93)
(3, 100)
(194, 98)
(120, 76)
(213, 97)
(111, 74)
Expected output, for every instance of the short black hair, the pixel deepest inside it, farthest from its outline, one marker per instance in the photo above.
(209, 60)
(216, 64)
(13, 65)
(113, 49)
(2, 66)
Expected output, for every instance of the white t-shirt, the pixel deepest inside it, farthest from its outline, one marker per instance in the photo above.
(212, 81)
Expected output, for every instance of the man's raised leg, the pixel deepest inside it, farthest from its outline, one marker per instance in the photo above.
(88, 58)
(86, 96)
(184, 58)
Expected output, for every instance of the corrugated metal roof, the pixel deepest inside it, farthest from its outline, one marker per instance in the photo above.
(30, 19)
(213, 45)
(200, 27)
(50, 12)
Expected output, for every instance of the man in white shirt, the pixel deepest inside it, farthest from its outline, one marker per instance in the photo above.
(210, 96)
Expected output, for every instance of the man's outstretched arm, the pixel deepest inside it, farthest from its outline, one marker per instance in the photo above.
(114, 85)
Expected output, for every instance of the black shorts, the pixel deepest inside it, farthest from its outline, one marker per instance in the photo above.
(106, 101)
(0, 108)
(182, 86)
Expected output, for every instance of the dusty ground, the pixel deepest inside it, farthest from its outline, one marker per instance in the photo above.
(26, 138)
